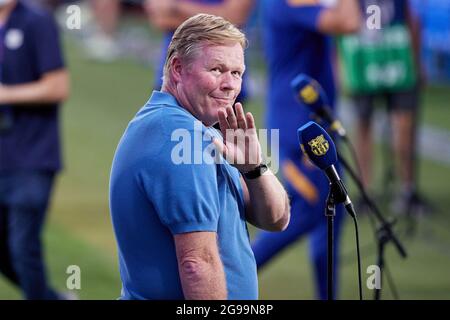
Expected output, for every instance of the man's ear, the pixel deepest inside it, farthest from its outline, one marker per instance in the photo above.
(176, 69)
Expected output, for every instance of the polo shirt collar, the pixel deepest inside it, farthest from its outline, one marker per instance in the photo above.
(159, 97)
(165, 98)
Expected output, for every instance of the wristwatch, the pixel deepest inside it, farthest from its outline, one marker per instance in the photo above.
(257, 172)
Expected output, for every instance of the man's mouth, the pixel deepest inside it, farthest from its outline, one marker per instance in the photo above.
(223, 99)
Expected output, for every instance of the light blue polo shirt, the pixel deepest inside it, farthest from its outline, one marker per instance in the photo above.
(163, 183)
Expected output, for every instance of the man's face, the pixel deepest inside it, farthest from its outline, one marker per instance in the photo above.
(211, 81)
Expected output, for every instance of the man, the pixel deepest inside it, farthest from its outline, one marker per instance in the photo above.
(167, 15)
(295, 39)
(179, 213)
(33, 81)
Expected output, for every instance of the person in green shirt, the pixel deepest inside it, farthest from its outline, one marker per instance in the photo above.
(382, 63)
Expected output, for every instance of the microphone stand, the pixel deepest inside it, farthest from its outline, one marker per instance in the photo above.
(336, 195)
(384, 232)
(330, 213)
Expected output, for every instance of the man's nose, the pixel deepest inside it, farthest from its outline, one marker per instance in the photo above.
(230, 82)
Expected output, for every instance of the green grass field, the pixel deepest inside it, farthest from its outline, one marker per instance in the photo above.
(79, 232)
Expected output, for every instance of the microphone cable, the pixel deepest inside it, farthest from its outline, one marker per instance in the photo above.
(359, 258)
(357, 179)
(355, 221)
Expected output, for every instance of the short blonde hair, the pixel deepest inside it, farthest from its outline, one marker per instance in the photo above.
(197, 31)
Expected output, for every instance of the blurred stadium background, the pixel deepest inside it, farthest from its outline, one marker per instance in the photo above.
(105, 96)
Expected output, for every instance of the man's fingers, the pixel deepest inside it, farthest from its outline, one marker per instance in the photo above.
(250, 121)
(223, 123)
(231, 117)
(242, 123)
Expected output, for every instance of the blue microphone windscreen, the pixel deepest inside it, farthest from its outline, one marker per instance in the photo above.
(317, 145)
(309, 92)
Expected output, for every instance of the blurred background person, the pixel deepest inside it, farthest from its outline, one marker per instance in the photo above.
(33, 83)
(103, 41)
(296, 41)
(435, 38)
(383, 63)
(102, 20)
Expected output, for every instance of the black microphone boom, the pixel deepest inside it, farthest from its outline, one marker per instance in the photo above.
(311, 94)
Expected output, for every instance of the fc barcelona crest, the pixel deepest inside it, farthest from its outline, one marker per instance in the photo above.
(309, 94)
(319, 145)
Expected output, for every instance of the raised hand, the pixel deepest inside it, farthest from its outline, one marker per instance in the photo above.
(240, 146)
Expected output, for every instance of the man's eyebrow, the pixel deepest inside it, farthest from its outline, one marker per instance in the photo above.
(221, 64)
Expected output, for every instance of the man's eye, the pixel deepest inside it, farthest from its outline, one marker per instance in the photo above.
(217, 70)
(237, 74)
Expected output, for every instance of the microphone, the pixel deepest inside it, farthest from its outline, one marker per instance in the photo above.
(310, 93)
(318, 146)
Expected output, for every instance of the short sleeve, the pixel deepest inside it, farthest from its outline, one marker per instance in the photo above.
(184, 195)
(47, 44)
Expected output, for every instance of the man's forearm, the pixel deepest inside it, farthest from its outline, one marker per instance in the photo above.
(200, 267)
(203, 281)
(52, 88)
(269, 204)
(349, 8)
(344, 18)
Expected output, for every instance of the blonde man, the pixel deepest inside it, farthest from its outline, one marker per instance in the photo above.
(179, 209)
